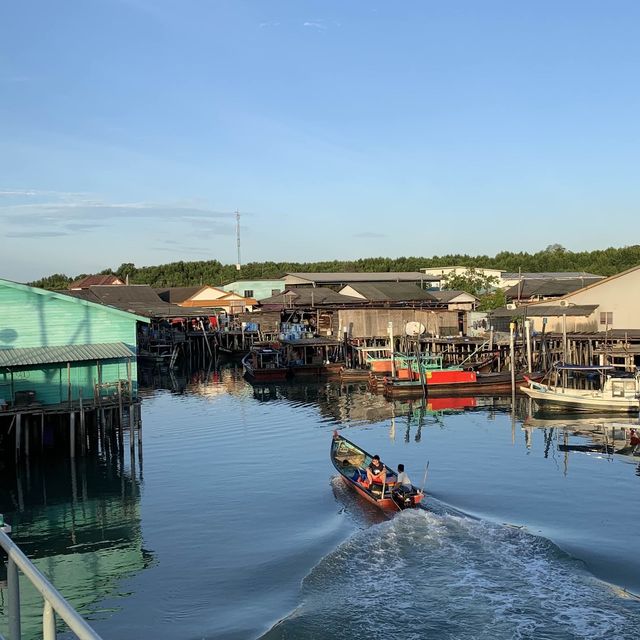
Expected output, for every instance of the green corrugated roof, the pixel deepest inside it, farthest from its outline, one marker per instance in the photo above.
(65, 353)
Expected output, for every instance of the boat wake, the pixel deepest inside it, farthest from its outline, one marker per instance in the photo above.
(440, 575)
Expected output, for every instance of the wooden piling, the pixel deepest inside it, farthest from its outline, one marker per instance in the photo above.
(26, 436)
(18, 436)
(72, 434)
(83, 433)
(512, 362)
(120, 407)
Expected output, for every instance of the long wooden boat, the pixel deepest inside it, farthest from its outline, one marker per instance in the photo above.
(264, 365)
(322, 369)
(455, 382)
(315, 357)
(619, 393)
(351, 462)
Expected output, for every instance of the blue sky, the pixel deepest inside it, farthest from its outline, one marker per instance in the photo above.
(130, 130)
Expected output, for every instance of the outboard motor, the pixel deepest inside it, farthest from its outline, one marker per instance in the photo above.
(403, 497)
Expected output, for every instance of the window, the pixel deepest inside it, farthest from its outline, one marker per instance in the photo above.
(606, 317)
(248, 293)
(275, 292)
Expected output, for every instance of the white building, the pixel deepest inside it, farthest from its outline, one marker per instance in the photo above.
(437, 274)
(616, 298)
(611, 304)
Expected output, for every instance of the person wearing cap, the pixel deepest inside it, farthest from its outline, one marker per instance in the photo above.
(376, 473)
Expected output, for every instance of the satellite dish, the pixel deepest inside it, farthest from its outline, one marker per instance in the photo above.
(414, 328)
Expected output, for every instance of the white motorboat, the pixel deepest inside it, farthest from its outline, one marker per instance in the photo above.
(619, 393)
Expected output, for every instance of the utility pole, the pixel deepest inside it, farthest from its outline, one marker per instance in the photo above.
(238, 238)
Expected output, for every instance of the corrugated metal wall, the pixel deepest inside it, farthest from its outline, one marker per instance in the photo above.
(371, 323)
(29, 319)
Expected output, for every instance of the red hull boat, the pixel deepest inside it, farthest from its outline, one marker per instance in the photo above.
(351, 462)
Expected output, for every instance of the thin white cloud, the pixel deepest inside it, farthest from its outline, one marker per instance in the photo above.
(67, 214)
(269, 23)
(36, 234)
(67, 211)
(315, 24)
(28, 193)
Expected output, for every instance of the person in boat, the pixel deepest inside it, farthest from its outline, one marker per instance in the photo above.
(403, 478)
(403, 487)
(376, 474)
(634, 439)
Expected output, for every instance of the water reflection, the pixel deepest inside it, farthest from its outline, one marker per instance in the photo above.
(79, 522)
(246, 558)
(213, 382)
(351, 404)
(355, 404)
(592, 434)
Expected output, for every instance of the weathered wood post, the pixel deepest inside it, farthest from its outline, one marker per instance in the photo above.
(72, 434)
(83, 433)
(512, 327)
(120, 425)
(564, 349)
(27, 422)
(69, 384)
(120, 407)
(527, 329)
(101, 428)
(132, 440)
(392, 349)
(139, 423)
(18, 436)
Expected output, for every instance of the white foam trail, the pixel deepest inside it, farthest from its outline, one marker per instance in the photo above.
(424, 575)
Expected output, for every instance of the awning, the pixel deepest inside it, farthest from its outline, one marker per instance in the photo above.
(65, 353)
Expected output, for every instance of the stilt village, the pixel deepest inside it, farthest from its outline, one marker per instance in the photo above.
(69, 359)
(319, 320)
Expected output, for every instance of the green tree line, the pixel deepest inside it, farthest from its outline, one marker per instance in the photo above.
(604, 262)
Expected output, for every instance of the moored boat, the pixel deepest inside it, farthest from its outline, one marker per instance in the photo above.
(264, 364)
(314, 356)
(351, 463)
(455, 382)
(619, 393)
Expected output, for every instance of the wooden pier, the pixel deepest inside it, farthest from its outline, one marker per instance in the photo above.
(77, 427)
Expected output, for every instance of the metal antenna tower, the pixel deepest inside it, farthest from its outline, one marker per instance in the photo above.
(238, 238)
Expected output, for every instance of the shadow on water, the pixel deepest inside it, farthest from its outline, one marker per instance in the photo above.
(79, 522)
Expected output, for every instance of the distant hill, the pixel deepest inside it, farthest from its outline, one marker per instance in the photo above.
(604, 262)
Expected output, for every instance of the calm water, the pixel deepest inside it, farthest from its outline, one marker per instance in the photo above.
(234, 526)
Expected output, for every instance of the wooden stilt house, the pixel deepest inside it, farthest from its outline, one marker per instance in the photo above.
(56, 350)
